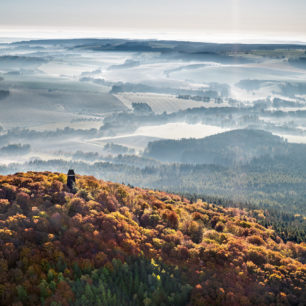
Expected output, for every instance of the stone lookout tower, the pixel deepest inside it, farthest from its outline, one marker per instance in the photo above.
(71, 179)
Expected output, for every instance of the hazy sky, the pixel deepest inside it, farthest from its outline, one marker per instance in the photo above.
(262, 18)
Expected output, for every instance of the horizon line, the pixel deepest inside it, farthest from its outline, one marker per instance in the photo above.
(10, 35)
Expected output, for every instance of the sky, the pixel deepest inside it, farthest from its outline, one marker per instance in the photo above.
(197, 19)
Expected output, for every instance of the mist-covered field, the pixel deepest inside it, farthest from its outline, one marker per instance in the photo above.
(140, 112)
(53, 84)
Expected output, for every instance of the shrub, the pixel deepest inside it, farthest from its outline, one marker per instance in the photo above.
(255, 239)
(77, 206)
(4, 205)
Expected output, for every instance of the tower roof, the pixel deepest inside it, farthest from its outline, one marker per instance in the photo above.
(71, 172)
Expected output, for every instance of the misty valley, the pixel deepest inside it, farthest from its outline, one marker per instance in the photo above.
(152, 173)
(220, 121)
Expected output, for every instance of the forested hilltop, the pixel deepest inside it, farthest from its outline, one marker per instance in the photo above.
(110, 244)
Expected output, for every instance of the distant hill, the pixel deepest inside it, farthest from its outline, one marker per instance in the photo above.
(229, 148)
(110, 244)
(152, 45)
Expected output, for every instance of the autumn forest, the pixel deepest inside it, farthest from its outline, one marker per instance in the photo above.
(105, 243)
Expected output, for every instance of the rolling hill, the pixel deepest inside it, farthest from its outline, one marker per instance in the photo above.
(111, 244)
(229, 148)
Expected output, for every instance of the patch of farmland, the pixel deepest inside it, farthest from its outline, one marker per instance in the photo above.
(158, 102)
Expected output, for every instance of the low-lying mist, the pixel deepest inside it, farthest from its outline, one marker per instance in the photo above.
(184, 117)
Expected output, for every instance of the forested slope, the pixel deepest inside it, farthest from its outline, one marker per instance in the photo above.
(110, 244)
(226, 149)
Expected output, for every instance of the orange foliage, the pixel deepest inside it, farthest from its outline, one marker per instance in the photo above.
(227, 257)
